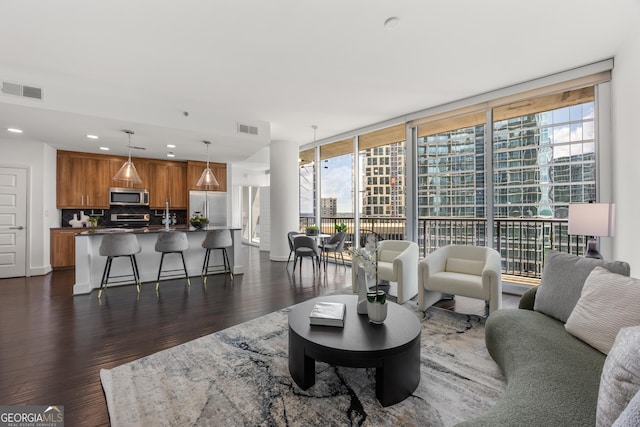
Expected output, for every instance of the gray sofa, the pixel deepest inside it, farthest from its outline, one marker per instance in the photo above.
(553, 378)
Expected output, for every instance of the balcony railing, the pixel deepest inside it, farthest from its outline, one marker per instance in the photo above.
(522, 242)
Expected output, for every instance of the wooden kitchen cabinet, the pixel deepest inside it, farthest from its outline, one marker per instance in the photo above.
(142, 166)
(194, 170)
(63, 247)
(168, 184)
(83, 180)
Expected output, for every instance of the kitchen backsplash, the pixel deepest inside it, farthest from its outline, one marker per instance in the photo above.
(104, 215)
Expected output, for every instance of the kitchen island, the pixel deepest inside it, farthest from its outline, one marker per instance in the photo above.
(90, 264)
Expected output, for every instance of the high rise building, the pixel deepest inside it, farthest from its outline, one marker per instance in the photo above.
(451, 174)
(383, 181)
(328, 207)
(540, 163)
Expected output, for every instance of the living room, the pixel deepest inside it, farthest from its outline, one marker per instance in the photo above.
(38, 155)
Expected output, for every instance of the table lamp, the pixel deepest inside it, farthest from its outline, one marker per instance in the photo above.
(591, 220)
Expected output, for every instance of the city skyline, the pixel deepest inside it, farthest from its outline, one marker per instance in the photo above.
(541, 163)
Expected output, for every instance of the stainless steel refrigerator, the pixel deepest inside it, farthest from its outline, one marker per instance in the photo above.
(210, 204)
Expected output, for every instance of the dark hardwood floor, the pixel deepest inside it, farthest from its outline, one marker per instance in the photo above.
(53, 344)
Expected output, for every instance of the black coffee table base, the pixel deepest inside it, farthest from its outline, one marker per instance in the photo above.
(397, 376)
(397, 363)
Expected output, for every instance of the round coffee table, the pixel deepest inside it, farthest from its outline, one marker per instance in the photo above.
(393, 348)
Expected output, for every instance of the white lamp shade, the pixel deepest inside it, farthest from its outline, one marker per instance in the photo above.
(207, 179)
(591, 219)
(128, 173)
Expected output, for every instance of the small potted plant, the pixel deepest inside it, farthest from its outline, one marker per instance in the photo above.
(198, 221)
(312, 230)
(93, 221)
(340, 227)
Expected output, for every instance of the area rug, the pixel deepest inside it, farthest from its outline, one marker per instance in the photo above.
(240, 377)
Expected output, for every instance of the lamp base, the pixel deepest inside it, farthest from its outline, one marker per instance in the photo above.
(592, 249)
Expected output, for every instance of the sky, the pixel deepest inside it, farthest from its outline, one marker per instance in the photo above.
(336, 181)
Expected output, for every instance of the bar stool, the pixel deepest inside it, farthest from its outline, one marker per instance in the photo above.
(216, 239)
(119, 245)
(172, 242)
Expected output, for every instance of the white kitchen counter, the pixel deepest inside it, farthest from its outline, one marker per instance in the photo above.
(90, 264)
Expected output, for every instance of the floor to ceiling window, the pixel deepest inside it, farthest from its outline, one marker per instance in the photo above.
(337, 186)
(307, 188)
(382, 156)
(380, 194)
(451, 182)
(499, 173)
(544, 157)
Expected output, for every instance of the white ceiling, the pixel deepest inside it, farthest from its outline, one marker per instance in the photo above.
(280, 65)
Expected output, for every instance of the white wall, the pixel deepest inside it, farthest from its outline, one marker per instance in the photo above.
(249, 177)
(40, 161)
(626, 152)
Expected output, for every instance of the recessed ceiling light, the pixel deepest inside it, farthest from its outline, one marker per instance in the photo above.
(171, 146)
(92, 136)
(14, 130)
(170, 155)
(104, 148)
(391, 22)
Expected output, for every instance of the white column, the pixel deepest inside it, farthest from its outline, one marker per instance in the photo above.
(285, 196)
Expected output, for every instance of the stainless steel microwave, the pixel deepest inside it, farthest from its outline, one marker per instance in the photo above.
(128, 196)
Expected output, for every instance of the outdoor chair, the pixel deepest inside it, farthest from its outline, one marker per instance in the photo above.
(334, 245)
(290, 236)
(304, 246)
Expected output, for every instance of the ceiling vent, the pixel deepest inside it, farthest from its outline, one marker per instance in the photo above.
(250, 130)
(15, 89)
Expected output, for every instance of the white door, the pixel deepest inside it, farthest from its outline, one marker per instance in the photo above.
(13, 221)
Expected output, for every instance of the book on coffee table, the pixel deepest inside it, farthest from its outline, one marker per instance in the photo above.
(328, 314)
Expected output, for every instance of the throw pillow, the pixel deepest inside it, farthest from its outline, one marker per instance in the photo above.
(595, 319)
(630, 417)
(562, 280)
(620, 379)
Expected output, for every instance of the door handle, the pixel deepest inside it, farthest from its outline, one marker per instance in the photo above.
(19, 227)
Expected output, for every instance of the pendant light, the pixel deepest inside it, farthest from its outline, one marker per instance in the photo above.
(207, 178)
(128, 171)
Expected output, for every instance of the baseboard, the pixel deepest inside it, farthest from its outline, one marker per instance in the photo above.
(82, 288)
(40, 271)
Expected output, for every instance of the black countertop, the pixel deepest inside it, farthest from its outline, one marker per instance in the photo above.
(151, 229)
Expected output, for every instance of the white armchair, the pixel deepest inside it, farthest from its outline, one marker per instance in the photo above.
(398, 262)
(470, 271)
